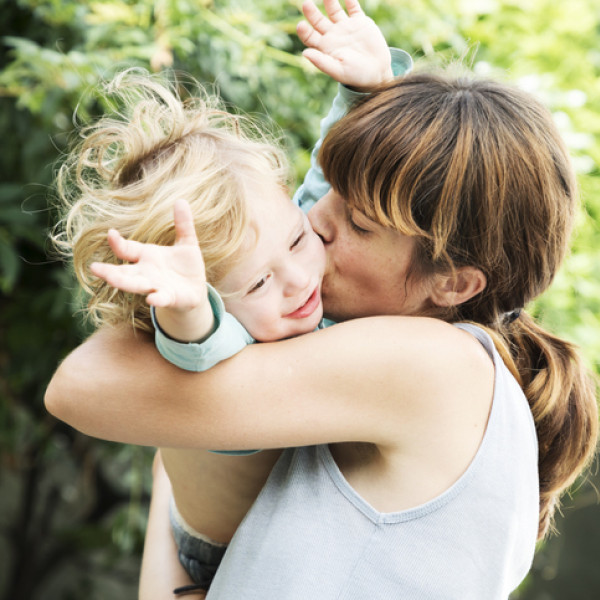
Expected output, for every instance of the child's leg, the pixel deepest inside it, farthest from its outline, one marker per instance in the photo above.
(213, 492)
(161, 571)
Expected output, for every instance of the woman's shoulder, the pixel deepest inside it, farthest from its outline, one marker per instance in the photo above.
(434, 385)
(424, 364)
(428, 346)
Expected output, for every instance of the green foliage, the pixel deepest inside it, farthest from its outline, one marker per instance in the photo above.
(85, 500)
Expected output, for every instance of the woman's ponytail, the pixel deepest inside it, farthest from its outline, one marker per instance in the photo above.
(561, 393)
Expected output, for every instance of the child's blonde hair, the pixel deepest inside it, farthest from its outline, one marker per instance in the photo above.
(130, 167)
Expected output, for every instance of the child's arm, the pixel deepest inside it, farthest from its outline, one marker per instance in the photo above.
(185, 307)
(173, 278)
(352, 51)
(347, 46)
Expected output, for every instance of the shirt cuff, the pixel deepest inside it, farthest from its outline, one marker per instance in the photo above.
(228, 338)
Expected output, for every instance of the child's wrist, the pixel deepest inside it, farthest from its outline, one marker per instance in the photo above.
(192, 325)
(385, 77)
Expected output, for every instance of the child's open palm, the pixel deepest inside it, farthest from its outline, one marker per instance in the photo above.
(170, 276)
(346, 44)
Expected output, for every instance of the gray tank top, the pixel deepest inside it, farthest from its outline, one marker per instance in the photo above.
(309, 535)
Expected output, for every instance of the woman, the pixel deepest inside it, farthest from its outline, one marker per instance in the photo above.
(428, 444)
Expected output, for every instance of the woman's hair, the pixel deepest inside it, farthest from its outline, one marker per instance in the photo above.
(128, 169)
(477, 174)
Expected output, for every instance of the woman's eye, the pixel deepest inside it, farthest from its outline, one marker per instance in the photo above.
(356, 228)
(297, 240)
(258, 284)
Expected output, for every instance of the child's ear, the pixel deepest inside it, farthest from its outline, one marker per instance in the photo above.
(458, 287)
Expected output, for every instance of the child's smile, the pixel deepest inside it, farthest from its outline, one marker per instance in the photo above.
(274, 290)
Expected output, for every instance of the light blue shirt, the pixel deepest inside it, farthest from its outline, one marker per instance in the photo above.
(227, 339)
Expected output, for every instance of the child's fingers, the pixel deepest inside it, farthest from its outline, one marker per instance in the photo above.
(334, 10)
(102, 270)
(97, 269)
(316, 19)
(159, 299)
(353, 8)
(165, 298)
(122, 277)
(185, 232)
(308, 36)
(128, 250)
(325, 63)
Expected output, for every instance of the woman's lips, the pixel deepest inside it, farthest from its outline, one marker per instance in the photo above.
(308, 308)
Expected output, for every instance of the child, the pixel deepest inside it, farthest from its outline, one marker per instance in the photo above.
(259, 253)
(234, 227)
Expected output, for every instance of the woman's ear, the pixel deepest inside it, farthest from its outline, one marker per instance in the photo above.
(458, 287)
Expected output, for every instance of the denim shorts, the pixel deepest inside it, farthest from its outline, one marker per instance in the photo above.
(199, 555)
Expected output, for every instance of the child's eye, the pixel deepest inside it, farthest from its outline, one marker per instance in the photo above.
(258, 284)
(297, 240)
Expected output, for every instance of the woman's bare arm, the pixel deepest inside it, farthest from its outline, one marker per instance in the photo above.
(366, 380)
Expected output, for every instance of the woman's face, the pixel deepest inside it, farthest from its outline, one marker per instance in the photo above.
(367, 264)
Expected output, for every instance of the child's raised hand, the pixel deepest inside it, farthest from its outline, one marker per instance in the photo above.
(346, 44)
(170, 276)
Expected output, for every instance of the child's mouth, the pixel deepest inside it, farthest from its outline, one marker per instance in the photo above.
(308, 308)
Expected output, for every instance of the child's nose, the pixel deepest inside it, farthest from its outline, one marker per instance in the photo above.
(297, 278)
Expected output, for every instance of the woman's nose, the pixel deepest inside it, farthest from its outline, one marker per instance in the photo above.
(320, 219)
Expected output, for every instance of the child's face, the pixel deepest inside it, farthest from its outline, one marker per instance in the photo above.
(277, 283)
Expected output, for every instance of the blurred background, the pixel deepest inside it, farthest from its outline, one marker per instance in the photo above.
(73, 509)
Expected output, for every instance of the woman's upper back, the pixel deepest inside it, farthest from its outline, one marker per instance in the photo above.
(311, 535)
